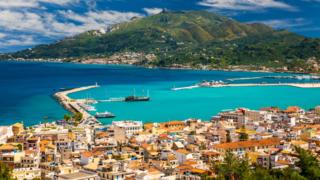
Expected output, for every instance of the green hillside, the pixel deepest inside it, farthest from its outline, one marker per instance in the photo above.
(189, 38)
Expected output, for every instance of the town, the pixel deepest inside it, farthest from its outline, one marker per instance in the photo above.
(188, 149)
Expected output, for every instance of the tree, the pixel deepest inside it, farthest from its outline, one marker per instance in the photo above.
(67, 117)
(243, 137)
(20, 147)
(77, 117)
(308, 164)
(233, 168)
(228, 136)
(5, 172)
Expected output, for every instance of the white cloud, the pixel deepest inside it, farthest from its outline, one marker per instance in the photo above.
(2, 35)
(22, 40)
(284, 23)
(47, 24)
(152, 11)
(60, 2)
(18, 3)
(249, 5)
(93, 20)
(21, 21)
(6, 4)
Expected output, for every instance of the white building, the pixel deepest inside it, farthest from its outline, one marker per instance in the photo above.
(124, 129)
(5, 132)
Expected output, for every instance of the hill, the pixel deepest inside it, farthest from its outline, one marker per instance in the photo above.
(187, 39)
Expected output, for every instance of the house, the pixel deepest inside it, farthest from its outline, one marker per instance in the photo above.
(242, 147)
(182, 155)
(86, 158)
(124, 129)
(150, 174)
(81, 175)
(177, 145)
(26, 173)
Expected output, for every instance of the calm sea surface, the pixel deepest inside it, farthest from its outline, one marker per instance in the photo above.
(26, 92)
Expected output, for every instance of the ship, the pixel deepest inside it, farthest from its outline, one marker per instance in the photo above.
(134, 98)
(104, 115)
(137, 98)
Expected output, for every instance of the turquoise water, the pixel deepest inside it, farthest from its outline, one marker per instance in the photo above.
(201, 103)
(26, 92)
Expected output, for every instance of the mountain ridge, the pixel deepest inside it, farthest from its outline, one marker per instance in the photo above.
(187, 38)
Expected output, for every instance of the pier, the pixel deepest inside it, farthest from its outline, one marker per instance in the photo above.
(298, 85)
(72, 105)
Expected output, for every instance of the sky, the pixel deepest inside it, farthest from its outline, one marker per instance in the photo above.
(26, 23)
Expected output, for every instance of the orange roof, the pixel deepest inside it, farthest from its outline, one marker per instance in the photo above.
(27, 152)
(101, 134)
(198, 171)
(87, 154)
(246, 144)
(190, 162)
(292, 109)
(182, 151)
(98, 153)
(8, 147)
(184, 167)
(171, 157)
(211, 153)
(145, 146)
(283, 162)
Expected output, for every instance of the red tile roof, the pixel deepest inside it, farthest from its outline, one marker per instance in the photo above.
(247, 144)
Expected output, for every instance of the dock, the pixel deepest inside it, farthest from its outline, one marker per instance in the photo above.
(72, 105)
(298, 85)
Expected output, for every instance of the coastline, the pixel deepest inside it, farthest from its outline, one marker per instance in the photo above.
(72, 104)
(240, 68)
(298, 85)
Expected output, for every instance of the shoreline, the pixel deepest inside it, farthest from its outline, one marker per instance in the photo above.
(70, 104)
(298, 85)
(238, 69)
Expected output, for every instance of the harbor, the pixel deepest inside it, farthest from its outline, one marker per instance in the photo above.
(221, 84)
(85, 105)
(76, 105)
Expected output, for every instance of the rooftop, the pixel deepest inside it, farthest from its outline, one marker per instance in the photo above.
(251, 143)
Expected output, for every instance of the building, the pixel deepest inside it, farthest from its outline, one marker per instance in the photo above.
(5, 133)
(124, 129)
(242, 147)
(81, 175)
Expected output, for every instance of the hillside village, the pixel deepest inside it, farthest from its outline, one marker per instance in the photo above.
(188, 149)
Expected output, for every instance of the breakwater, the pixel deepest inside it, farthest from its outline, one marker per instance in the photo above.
(299, 85)
(72, 105)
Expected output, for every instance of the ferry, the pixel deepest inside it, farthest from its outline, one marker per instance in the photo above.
(104, 115)
(137, 98)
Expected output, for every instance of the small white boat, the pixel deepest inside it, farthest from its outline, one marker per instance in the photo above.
(105, 114)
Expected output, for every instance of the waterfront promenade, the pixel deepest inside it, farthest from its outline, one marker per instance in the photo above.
(73, 104)
(299, 85)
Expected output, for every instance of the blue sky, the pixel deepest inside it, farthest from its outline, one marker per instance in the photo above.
(26, 23)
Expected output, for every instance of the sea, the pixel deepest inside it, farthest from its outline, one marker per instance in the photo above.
(27, 88)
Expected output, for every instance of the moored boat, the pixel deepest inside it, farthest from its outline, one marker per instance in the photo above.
(137, 98)
(104, 115)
